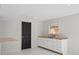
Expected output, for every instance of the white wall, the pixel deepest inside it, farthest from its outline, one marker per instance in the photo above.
(12, 28)
(36, 31)
(1, 27)
(69, 27)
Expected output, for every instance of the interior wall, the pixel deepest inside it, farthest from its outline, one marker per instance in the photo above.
(69, 27)
(1, 27)
(13, 28)
(10, 27)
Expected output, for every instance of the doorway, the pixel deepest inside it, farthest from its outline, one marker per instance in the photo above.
(26, 35)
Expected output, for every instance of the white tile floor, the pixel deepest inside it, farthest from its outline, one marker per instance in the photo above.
(33, 51)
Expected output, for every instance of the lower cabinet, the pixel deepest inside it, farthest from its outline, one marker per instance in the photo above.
(54, 44)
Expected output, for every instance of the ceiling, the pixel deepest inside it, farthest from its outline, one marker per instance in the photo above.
(38, 11)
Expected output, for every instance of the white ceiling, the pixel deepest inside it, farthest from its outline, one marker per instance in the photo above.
(38, 11)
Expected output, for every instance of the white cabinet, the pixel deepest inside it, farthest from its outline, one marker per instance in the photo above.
(54, 44)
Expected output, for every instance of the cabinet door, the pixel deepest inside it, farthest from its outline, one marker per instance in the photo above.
(43, 42)
(54, 44)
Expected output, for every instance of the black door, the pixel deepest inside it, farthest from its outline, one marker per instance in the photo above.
(26, 35)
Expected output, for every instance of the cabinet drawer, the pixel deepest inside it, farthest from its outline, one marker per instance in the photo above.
(53, 44)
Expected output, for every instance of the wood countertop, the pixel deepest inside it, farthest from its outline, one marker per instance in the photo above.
(58, 37)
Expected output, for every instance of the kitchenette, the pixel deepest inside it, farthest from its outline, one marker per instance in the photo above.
(54, 41)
